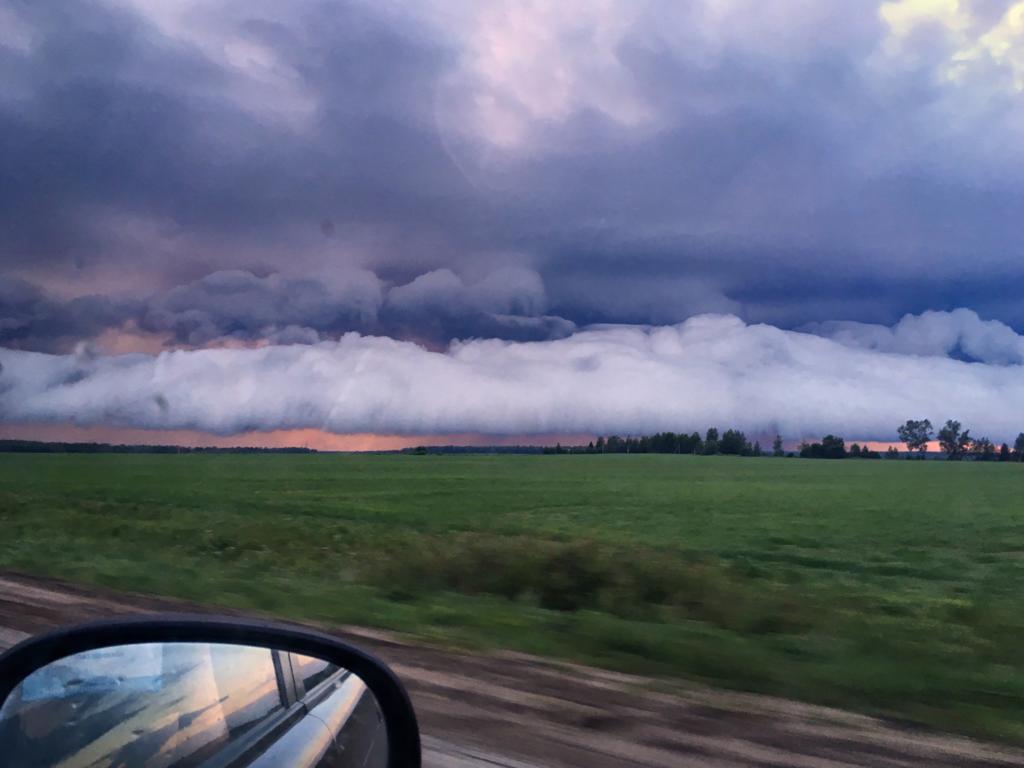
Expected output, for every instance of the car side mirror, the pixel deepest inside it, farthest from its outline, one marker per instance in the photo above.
(201, 692)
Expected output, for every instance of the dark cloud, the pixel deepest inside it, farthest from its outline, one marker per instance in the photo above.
(294, 171)
(435, 307)
(242, 305)
(509, 303)
(32, 320)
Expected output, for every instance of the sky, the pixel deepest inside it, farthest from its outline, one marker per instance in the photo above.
(381, 224)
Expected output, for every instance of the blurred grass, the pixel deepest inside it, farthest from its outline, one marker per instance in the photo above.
(888, 587)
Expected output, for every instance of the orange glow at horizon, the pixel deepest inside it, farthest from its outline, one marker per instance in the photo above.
(283, 438)
(882, 446)
(320, 440)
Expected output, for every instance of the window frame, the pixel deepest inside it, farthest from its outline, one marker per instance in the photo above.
(296, 705)
(312, 696)
(259, 738)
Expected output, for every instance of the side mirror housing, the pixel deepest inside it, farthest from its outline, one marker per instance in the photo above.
(202, 691)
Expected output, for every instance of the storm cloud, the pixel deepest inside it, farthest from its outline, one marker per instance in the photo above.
(237, 305)
(784, 162)
(302, 203)
(711, 369)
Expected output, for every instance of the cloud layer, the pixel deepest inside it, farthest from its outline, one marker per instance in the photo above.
(960, 334)
(709, 370)
(787, 162)
(239, 306)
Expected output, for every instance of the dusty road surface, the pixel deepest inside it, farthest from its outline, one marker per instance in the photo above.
(513, 711)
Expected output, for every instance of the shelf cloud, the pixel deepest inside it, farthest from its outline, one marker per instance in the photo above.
(708, 370)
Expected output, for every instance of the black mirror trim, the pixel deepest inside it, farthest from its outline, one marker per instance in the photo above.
(403, 732)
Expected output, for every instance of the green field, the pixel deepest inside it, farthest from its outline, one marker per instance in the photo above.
(889, 587)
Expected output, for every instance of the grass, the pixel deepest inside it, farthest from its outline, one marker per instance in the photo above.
(888, 587)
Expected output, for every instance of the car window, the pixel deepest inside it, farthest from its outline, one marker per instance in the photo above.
(246, 682)
(154, 705)
(312, 671)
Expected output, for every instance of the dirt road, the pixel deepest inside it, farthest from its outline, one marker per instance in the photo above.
(514, 711)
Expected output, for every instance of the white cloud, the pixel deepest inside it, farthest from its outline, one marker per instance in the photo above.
(973, 61)
(711, 369)
(960, 332)
(977, 43)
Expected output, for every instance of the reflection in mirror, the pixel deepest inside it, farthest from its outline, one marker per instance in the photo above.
(179, 705)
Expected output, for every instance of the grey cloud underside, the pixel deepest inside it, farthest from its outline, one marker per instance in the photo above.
(626, 379)
(435, 307)
(510, 303)
(787, 182)
(29, 318)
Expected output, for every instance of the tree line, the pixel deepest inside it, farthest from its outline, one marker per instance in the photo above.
(832, 447)
(955, 441)
(732, 442)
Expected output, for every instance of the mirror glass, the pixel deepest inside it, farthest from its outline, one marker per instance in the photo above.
(177, 705)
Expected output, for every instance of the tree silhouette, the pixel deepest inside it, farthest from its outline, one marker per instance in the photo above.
(954, 441)
(711, 442)
(734, 443)
(916, 435)
(983, 449)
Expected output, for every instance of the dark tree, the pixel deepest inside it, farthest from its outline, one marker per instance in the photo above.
(756, 451)
(696, 444)
(892, 453)
(833, 447)
(954, 441)
(599, 445)
(1004, 452)
(734, 443)
(982, 449)
(830, 447)
(777, 449)
(711, 442)
(855, 451)
(916, 435)
(1018, 447)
